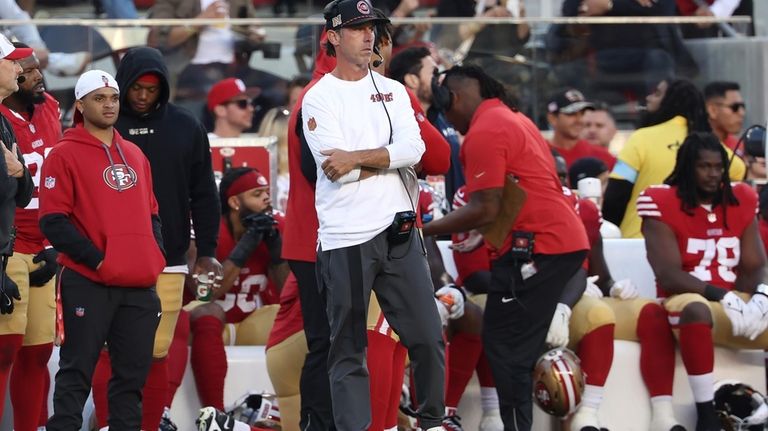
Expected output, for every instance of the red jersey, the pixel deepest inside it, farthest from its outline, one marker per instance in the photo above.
(110, 201)
(288, 320)
(709, 249)
(474, 261)
(501, 142)
(436, 159)
(36, 135)
(591, 218)
(252, 288)
(585, 149)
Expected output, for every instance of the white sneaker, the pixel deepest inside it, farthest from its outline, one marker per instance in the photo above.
(68, 63)
(491, 421)
(585, 417)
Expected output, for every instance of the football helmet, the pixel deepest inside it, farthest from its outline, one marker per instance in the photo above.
(558, 382)
(739, 406)
(258, 409)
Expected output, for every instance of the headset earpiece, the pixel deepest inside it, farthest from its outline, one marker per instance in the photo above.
(441, 95)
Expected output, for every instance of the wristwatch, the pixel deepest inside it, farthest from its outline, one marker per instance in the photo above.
(762, 289)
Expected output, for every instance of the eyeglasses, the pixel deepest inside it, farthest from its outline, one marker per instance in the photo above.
(242, 103)
(735, 107)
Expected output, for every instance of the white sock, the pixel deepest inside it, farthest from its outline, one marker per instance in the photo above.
(593, 396)
(394, 428)
(585, 417)
(662, 413)
(489, 399)
(450, 411)
(702, 387)
(241, 426)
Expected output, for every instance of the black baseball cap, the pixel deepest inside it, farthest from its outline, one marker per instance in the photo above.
(569, 101)
(347, 13)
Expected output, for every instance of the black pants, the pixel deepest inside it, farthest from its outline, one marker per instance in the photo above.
(316, 408)
(516, 320)
(125, 318)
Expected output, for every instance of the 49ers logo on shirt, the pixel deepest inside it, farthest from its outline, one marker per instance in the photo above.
(122, 176)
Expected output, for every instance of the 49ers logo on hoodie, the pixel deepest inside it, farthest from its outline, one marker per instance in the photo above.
(122, 177)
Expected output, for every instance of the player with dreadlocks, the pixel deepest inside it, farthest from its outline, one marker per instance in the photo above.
(649, 154)
(501, 143)
(703, 244)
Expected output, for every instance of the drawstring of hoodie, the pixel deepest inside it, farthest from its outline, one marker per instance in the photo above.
(112, 163)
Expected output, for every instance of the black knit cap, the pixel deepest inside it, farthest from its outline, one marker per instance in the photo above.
(347, 13)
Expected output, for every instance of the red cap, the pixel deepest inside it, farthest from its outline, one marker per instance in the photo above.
(225, 90)
(250, 180)
(10, 52)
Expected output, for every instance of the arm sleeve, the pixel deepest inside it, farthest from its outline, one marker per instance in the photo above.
(485, 158)
(66, 239)
(205, 206)
(436, 159)
(407, 147)
(617, 196)
(26, 33)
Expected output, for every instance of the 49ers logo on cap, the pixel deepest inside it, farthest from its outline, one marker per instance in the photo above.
(122, 176)
(362, 7)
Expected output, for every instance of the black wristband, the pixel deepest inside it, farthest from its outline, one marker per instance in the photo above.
(714, 293)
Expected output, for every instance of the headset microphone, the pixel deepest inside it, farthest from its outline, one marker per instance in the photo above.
(377, 63)
(21, 79)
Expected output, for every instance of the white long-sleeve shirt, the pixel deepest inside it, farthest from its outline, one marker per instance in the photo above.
(349, 115)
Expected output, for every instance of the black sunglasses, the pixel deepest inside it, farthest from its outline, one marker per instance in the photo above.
(242, 103)
(736, 106)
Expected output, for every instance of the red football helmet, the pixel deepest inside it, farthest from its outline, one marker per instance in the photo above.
(558, 382)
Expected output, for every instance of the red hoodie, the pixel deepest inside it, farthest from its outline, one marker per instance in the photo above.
(106, 193)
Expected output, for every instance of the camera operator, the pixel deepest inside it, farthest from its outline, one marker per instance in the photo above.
(364, 198)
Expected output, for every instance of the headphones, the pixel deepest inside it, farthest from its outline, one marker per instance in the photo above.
(442, 99)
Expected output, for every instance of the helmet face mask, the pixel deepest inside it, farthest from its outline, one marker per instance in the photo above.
(558, 382)
(740, 407)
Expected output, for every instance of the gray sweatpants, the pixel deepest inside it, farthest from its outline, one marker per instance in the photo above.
(400, 277)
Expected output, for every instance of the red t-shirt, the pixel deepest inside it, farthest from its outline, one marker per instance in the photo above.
(111, 205)
(585, 149)
(252, 288)
(474, 261)
(708, 248)
(501, 142)
(35, 136)
(288, 320)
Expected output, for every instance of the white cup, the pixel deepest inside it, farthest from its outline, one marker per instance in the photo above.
(590, 188)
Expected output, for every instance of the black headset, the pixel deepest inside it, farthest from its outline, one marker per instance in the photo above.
(442, 99)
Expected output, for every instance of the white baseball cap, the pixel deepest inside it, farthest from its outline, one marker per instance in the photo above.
(10, 52)
(93, 80)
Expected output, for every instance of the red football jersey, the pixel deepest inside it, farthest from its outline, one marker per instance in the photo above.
(476, 260)
(709, 249)
(289, 319)
(253, 288)
(35, 136)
